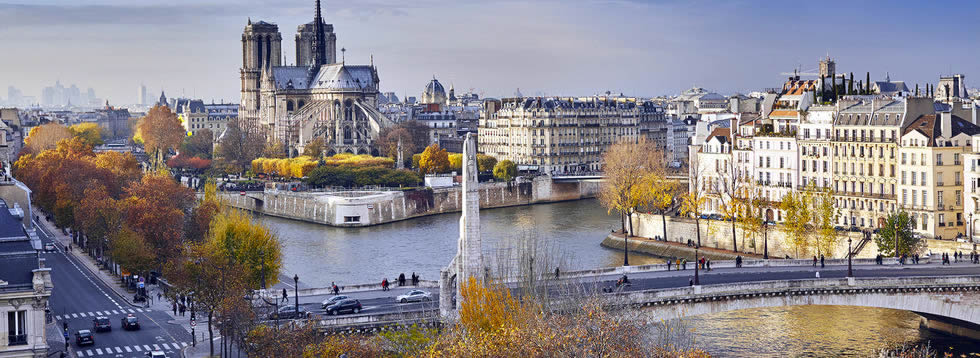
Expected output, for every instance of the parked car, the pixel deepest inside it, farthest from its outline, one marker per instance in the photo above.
(348, 305)
(130, 322)
(100, 324)
(84, 337)
(414, 296)
(332, 300)
(49, 247)
(289, 312)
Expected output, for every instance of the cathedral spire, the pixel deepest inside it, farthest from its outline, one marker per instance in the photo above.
(319, 40)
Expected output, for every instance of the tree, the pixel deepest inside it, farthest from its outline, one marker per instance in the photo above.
(692, 203)
(45, 137)
(898, 232)
(732, 200)
(750, 218)
(867, 83)
(505, 170)
(155, 208)
(631, 168)
(91, 133)
(850, 84)
(662, 193)
(456, 161)
(244, 242)
(160, 131)
(434, 160)
(200, 144)
(274, 149)
(825, 215)
(797, 220)
(315, 148)
(239, 145)
(485, 163)
(130, 250)
(413, 134)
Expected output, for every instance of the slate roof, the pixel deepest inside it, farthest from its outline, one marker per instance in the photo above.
(343, 77)
(295, 76)
(723, 135)
(930, 125)
(10, 227)
(17, 271)
(891, 87)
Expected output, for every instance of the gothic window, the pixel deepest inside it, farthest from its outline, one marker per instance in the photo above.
(300, 104)
(347, 133)
(289, 105)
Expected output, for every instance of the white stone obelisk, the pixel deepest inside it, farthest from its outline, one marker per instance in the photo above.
(468, 262)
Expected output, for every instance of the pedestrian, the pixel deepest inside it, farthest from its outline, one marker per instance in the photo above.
(556, 273)
(677, 264)
(384, 284)
(401, 279)
(708, 265)
(668, 265)
(814, 261)
(821, 261)
(336, 290)
(684, 263)
(690, 282)
(182, 308)
(175, 307)
(285, 294)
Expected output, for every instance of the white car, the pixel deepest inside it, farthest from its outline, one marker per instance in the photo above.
(156, 354)
(414, 296)
(331, 300)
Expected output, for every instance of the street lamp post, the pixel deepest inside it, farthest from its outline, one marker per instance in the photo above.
(626, 248)
(296, 293)
(697, 262)
(850, 272)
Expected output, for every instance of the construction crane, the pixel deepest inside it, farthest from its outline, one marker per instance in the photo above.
(797, 72)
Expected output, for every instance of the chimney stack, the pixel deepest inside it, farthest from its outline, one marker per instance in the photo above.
(946, 122)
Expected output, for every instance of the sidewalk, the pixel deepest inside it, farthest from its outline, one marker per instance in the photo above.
(115, 284)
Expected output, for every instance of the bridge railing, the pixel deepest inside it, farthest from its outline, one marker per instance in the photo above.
(788, 286)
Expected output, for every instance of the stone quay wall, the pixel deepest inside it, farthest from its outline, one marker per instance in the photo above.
(363, 208)
(717, 234)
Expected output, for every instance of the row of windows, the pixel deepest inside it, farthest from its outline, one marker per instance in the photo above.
(922, 159)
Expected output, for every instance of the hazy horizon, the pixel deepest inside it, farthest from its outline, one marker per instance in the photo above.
(550, 47)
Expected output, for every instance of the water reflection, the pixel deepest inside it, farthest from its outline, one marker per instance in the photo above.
(816, 331)
(322, 254)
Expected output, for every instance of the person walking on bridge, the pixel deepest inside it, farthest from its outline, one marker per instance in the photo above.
(821, 261)
(814, 260)
(284, 295)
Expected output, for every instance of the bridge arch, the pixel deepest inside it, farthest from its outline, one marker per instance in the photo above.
(958, 301)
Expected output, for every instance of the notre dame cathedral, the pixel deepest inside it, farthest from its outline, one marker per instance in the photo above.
(318, 97)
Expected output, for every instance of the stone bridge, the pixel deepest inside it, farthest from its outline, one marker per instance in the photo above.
(948, 303)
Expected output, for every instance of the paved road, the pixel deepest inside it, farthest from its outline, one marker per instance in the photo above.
(79, 297)
(379, 302)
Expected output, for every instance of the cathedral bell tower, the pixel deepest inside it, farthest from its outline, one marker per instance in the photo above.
(261, 48)
(319, 46)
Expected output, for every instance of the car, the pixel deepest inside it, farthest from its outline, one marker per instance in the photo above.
(130, 322)
(414, 296)
(347, 305)
(332, 300)
(289, 312)
(156, 354)
(101, 323)
(84, 337)
(49, 247)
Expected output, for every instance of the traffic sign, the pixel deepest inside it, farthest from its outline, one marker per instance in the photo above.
(193, 323)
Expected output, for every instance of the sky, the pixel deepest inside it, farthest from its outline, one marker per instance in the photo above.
(192, 48)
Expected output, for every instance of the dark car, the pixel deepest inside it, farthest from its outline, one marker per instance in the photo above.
(84, 337)
(332, 300)
(344, 306)
(130, 322)
(289, 312)
(100, 324)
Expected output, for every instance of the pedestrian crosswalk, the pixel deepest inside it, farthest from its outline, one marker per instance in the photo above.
(140, 349)
(74, 315)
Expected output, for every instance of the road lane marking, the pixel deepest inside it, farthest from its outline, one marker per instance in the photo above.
(74, 315)
(156, 347)
(146, 347)
(114, 312)
(140, 310)
(99, 313)
(128, 350)
(57, 317)
(86, 276)
(118, 350)
(131, 311)
(165, 346)
(80, 353)
(138, 349)
(183, 344)
(89, 352)
(98, 351)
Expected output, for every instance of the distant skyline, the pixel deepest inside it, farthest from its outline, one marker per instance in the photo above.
(550, 47)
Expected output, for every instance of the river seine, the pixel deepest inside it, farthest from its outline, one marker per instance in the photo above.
(572, 231)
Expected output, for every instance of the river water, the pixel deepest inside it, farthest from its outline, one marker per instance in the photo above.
(572, 231)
